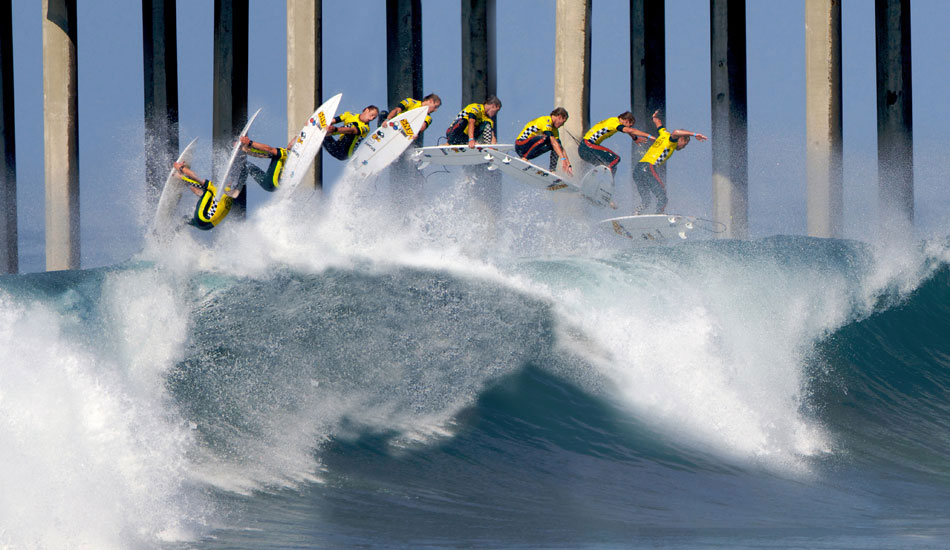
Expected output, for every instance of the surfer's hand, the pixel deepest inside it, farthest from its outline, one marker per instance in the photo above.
(639, 139)
(471, 142)
(568, 168)
(245, 140)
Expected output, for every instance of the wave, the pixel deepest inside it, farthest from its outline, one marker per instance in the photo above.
(142, 398)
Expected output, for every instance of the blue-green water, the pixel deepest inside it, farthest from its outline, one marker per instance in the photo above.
(785, 392)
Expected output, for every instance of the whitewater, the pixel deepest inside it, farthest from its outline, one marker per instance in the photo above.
(334, 372)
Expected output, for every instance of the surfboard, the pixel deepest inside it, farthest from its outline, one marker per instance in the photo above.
(597, 186)
(229, 167)
(530, 174)
(653, 227)
(171, 193)
(307, 144)
(455, 155)
(379, 149)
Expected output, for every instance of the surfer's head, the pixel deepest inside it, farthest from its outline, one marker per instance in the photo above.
(626, 118)
(558, 117)
(492, 105)
(433, 102)
(681, 142)
(369, 113)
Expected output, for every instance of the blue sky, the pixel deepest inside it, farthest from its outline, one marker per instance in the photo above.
(111, 104)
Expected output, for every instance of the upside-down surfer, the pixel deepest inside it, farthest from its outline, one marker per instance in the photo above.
(208, 211)
(278, 155)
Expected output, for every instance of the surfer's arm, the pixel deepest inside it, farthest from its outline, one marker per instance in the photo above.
(396, 110)
(344, 130)
(471, 132)
(187, 175)
(556, 145)
(256, 148)
(687, 133)
(656, 119)
(637, 135)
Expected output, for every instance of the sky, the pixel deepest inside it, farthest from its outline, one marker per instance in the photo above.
(111, 106)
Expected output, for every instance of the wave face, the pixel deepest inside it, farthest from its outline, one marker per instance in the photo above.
(325, 381)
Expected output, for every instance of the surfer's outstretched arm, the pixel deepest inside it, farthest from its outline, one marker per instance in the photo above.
(258, 149)
(195, 183)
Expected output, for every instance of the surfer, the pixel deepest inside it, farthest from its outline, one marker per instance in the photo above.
(354, 128)
(541, 135)
(591, 150)
(208, 212)
(475, 119)
(648, 182)
(278, 155)
(431, 102)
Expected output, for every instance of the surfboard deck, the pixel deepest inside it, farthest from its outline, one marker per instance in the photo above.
(455, 155)
(229, 167)
(307, 144)
(164, 219)
(652, 227)
(379, 149)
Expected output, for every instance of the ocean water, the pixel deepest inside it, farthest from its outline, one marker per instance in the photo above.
(351, 376)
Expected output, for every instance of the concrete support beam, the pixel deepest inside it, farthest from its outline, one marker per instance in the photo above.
(729, 139)
(305, 72)
(478, 50)
(647, 66)
(479, 80)
(9, 261)
(572, 66)
(403, 50)
(160, 64)
(61, 133)
(895, 128)
(825, 194)
(229, 104)
(404, 79)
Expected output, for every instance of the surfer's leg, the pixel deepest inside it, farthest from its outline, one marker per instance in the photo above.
(335, 147)
(484, 133)
(641, 178)
(659, 189)
(601, 155)
(532, 147)
(272, 177)
(456, 135)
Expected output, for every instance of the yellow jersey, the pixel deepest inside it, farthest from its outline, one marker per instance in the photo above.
(349, 120)
(409, 104)
(477, 112)
(538, 126)
(661, 150)
(603, 130)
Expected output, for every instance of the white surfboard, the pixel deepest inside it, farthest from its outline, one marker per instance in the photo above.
(307, 144)
(455, 155)
(597, 186)
(653, 227)
(530, 174)
(223, 184)
(380, 148)
(171, 193)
